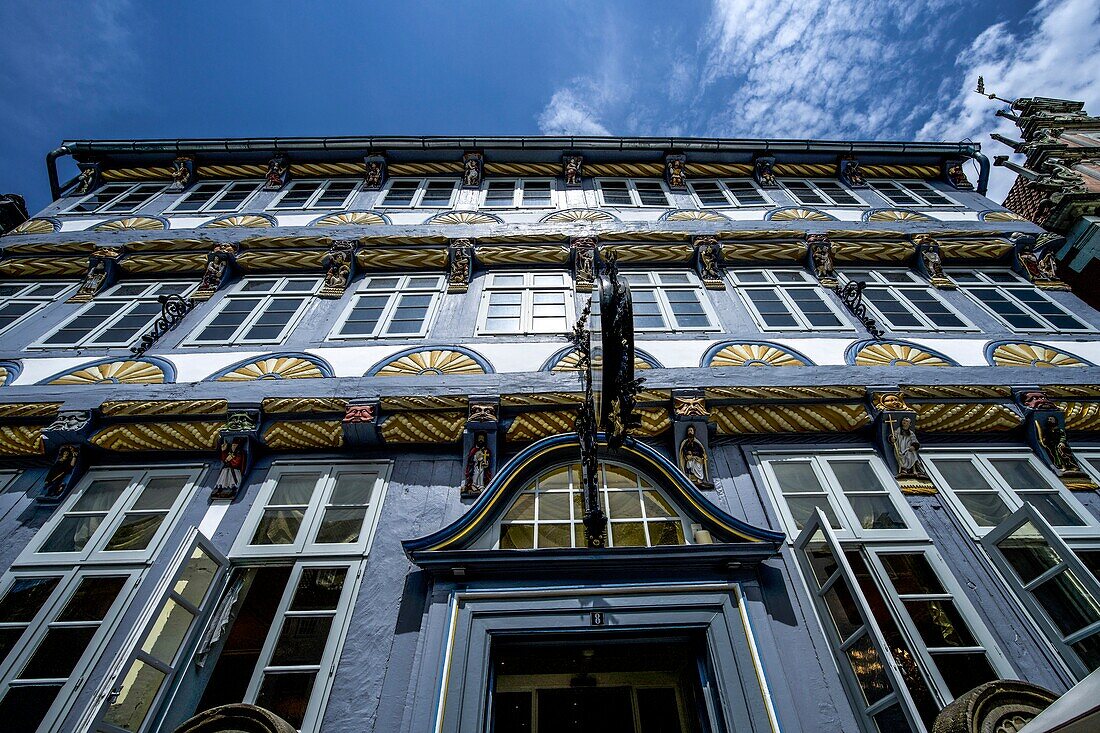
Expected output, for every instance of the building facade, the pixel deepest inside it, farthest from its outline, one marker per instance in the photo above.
(288, 441)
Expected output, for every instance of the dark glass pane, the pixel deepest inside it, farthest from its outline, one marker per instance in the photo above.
(287, 695)
(796, 477)
(607, 710)
(1089, 651)
(9, 637)
(867, 665)
(657, 710)
(25, 597)
(23, 708)
(891, 720)
(964, 672)
(940, 623)
(822, 562)
(92, 599)
(319, 589)
(802, 509)
(341, 525)
(1068, 604)
(58, 652)
(278, 527)
(986, 507)
(911, 574)
(517, 536)
(1053, 508)
(512, 712)
(135, 532)
(301, 641)
(843, 609)
(876, 512)
(1028, 553)
(961, 474)
(1091, 559)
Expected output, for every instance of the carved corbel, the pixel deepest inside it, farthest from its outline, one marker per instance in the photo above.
(472, 163)
(183, 173)
(930, 261)
(691, 437)
(1037, 258)
(584, 262)
(676, 172)
(849, 173)
(1045, 424)
(708, 262)
(339, 263)
(821, 258)
(66, 439)
(572, 169)
(460, 257)
(237, 444)
(896, 434)
(219, 267)
(278, 173)
(762, 172)
(375, 173)
(88, 179)
(360, 424)
(101, 274)
(956, 176)
(479, 445)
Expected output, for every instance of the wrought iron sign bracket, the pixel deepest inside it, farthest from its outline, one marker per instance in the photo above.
(851, 295)
(172, 310)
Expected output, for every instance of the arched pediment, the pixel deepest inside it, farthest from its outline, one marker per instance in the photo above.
(470, 534)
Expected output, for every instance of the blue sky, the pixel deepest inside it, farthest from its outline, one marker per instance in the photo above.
(854, 69)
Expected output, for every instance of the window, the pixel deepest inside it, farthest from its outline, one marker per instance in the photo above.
(310, 508)
(787, 300)
(532, 302)
(821, 192)
(214, 197)
(548, 511)
(901, 601)
(517, 193)
(856, 493)
(986, 489)
(117, 317)
(632, 192)
(669, 301)
(910, 193)
(115, 515)
(390, 305)
(729, 192)
(19, 300)
(426, 192)
(74, 613)
(134, 697)
(1016, 302)
(316, 194)
(116, 198)
(258, 310)
(905, 302)
(1058, 589)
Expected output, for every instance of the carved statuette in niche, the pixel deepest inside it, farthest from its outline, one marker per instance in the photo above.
(87, 180)
(906, 448)
(375, 174)
(58, 477)
(693, 459)
(232, 473)
(471, 170)
(762, 172)
(93, 281)
(850, 173)
(337, 270)
(278, 173)
(1053, 439)
(956, 176)
(479, 463)
(458, 278)
(821, 256)
(183, 173)
(571, 169)
(676, 171)
(584, 262)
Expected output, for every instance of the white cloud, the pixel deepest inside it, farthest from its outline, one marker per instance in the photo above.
(568, 113)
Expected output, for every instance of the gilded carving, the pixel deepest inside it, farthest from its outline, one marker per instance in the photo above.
(479, 460)
(471, 169)
(572, 166)
(689, 407)
(850, 173)
(461, 265)
(709, 258)
(375, 174)
(183, 173)
(361, 414)
(693, 458)
(763, 174)
(821, 257)
(482, 412)
(337, 263)
(675, 171)
(887, 401)
(278, 173)
(584, 262)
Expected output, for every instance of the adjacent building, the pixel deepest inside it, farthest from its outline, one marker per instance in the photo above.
(288, 441)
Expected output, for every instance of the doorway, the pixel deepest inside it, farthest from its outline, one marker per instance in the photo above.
(609, 684)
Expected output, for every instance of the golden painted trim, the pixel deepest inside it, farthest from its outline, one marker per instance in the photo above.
(948, 417)
(424, 169)
(129, 408)
(632, 253)
(424, 427)
(898, 251)
(531, 426)
(717, 170)
(493, 255)
(416, 402)
(953, 391)
(763, 251)
(191, 263)
(625, 170)
(168, 245)
(137, 174)
(292, 260)
(399, 259)
(278, 241)
(131, 437)
(29, 409)
(43, 267)
(789, 418)
(805, 170)
(21, 440)
(1081, 415)
(542, 170)
(303, 435)
(283, 405)
(901, 171)
(1072, 390)
(51, 248)
(805, 394)
(546, 398)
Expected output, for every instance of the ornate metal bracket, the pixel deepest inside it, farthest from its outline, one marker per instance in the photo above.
(172, 310)
(852, 297)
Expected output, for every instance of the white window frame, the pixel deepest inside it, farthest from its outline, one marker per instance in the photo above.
(980, 460)
(149, 295)
(852, 529)
(518, 187)
(1006, 291)
(780, 288)
(527, 295)
(418, 195)
(29, 642)
(1023, 591)
(661, 290)
(394, 295)
(323, 185)
(876, 280)
(311, 520)
(829, 201)
(26, 294)
(730, 196)
(92, 551)
(216, 198)
(632, 190)
(906, 187)
(266, 299)
(106, 205)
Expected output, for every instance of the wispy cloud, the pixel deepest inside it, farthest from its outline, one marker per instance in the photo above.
(568, 113)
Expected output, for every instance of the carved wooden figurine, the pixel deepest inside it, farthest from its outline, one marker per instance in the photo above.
(479, 463)
(693, 459)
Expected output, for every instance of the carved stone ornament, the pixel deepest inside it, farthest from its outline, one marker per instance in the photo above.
(471, 169)
(762, 173)
(88, 179)
(931, 261)
(361, 414)
(1001, 706)
(850, 174)
(375, 174)
(218, 263)
(338, 262)
(479, 465)
(584, 262)
(956, 176)
(234, 719)
(278, 173)
(572, 169)
(183, 173)
(821, 258)
(461, 265)
(482, 412)
(709, 255)
(676, 171)
(70, 421)
(689, 407)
